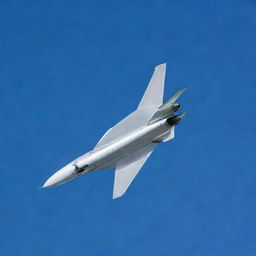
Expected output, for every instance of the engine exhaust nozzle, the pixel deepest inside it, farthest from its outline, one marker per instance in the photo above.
(175, 107)
(173, 120)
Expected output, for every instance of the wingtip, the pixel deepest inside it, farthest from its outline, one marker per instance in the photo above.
(182, 90)
(183, 114)
(115, 196)
(163, 65)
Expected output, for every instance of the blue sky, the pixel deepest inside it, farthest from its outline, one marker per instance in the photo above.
(69, 70)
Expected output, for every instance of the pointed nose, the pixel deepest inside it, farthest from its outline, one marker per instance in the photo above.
(62, 176)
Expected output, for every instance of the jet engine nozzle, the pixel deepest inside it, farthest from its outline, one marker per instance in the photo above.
(175, 107)
(173, 120)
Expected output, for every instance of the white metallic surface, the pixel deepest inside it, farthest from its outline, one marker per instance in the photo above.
(127, 145)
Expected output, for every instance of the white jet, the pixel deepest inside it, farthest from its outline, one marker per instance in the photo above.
(127, 145)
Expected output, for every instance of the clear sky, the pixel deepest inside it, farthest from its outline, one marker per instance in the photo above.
(69, 70)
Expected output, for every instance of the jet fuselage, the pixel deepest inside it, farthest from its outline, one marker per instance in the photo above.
(134, 144)
(127, 145)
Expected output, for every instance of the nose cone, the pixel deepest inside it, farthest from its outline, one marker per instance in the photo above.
(63, 175)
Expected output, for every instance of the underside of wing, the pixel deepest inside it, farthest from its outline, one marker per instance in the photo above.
(151, 100)
(153, 96)
(134, 121)
(127, 169)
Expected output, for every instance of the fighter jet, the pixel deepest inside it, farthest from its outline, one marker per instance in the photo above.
(127, 145)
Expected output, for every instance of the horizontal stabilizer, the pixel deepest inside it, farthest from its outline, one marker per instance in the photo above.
(170, 135)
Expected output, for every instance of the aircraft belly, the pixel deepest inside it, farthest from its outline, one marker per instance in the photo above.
(132, 147)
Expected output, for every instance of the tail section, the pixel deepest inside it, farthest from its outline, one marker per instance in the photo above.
(175, 96)
(168, 108)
